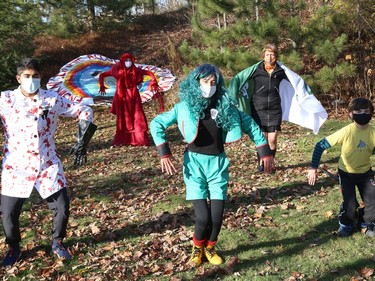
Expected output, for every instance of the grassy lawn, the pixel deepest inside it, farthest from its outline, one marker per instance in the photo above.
(130, 222)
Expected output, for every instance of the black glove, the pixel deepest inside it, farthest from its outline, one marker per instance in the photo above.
(86, 130)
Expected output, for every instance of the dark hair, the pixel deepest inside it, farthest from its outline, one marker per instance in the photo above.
(28, 63)
(360, 103)
(205, 70)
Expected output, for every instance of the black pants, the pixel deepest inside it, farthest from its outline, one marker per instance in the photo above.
(208, 219)
(366, 187)
(11, 208)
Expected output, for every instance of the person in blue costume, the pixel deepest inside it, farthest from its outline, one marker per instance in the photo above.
(207, 118)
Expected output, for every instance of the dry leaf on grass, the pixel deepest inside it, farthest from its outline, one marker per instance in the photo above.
(366, 272)
(329, 214)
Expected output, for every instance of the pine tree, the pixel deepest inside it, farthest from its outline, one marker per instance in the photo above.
(20, 22)
(69, 17)
(309, 36)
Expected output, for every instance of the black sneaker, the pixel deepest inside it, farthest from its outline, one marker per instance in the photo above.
(60, 250)
(344, 230)
(12, 256)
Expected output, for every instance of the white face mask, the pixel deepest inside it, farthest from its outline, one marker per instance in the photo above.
(30, 85)
(128, 64)
(208, 91)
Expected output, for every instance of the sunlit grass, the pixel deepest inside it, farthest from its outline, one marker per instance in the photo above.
(122, 204)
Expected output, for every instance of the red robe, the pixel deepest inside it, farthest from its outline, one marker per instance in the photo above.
(131, 123)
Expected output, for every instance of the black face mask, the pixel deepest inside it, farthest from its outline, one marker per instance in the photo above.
(362, 119)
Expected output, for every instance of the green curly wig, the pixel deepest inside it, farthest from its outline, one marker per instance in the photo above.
(191, 94)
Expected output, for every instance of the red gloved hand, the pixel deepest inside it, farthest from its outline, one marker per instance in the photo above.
(102, 90)
(155, 88)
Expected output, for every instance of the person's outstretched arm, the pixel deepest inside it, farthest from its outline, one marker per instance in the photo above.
(157, 127)
(86, 128)
(102, 87)
(317, 155)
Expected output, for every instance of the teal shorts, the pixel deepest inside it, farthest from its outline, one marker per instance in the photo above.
(206, 176)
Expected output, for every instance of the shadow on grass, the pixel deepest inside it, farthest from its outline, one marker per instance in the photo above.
(349, 268)
(165, 221)
(138, 189)
(294, 190)
(163, 225)
(129, 183)
(97, 145)
(306, 164)
(271, 196)
(317, 237)
(93, 147)
(37, 250)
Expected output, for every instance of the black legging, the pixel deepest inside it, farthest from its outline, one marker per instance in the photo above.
(208, 219)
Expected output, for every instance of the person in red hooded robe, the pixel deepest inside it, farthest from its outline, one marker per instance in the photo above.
(131, 122)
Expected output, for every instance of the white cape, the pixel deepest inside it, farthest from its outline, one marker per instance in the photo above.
(298, 103)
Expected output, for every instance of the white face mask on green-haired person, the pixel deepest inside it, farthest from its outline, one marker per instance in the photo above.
(208, 86)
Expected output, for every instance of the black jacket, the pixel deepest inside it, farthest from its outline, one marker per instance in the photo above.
(266, 102)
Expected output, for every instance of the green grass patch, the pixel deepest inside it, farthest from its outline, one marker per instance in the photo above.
(129, 221)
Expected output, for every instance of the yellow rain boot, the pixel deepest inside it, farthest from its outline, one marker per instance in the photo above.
(212, 256)
(196, 255)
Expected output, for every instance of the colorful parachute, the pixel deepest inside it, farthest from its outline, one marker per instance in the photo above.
(78, 79)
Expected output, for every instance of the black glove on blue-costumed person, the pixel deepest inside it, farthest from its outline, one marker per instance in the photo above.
(86, 130)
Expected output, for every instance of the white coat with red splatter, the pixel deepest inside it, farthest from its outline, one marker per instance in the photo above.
(30, 158)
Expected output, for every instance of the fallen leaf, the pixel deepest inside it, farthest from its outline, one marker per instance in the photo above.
(366, 272)
(329, 214)
(94, 229)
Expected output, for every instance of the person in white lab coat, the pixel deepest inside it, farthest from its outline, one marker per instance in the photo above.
(30, 115)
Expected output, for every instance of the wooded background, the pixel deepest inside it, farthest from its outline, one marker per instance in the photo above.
(330, 43)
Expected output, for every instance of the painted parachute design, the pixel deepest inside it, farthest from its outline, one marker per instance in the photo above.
(78, 79)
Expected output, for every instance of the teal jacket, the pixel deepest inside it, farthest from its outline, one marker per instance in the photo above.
(240, 93)
(188, 126)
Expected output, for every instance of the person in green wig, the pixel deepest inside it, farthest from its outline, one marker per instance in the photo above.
(207, 118)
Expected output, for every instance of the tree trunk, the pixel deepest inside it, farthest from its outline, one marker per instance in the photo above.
(291, 8)
(91, 16)
(359, 22)
(153, 6)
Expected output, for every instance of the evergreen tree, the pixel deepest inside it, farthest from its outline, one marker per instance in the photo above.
(302, 30)
(20, 22)
(69, 17)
